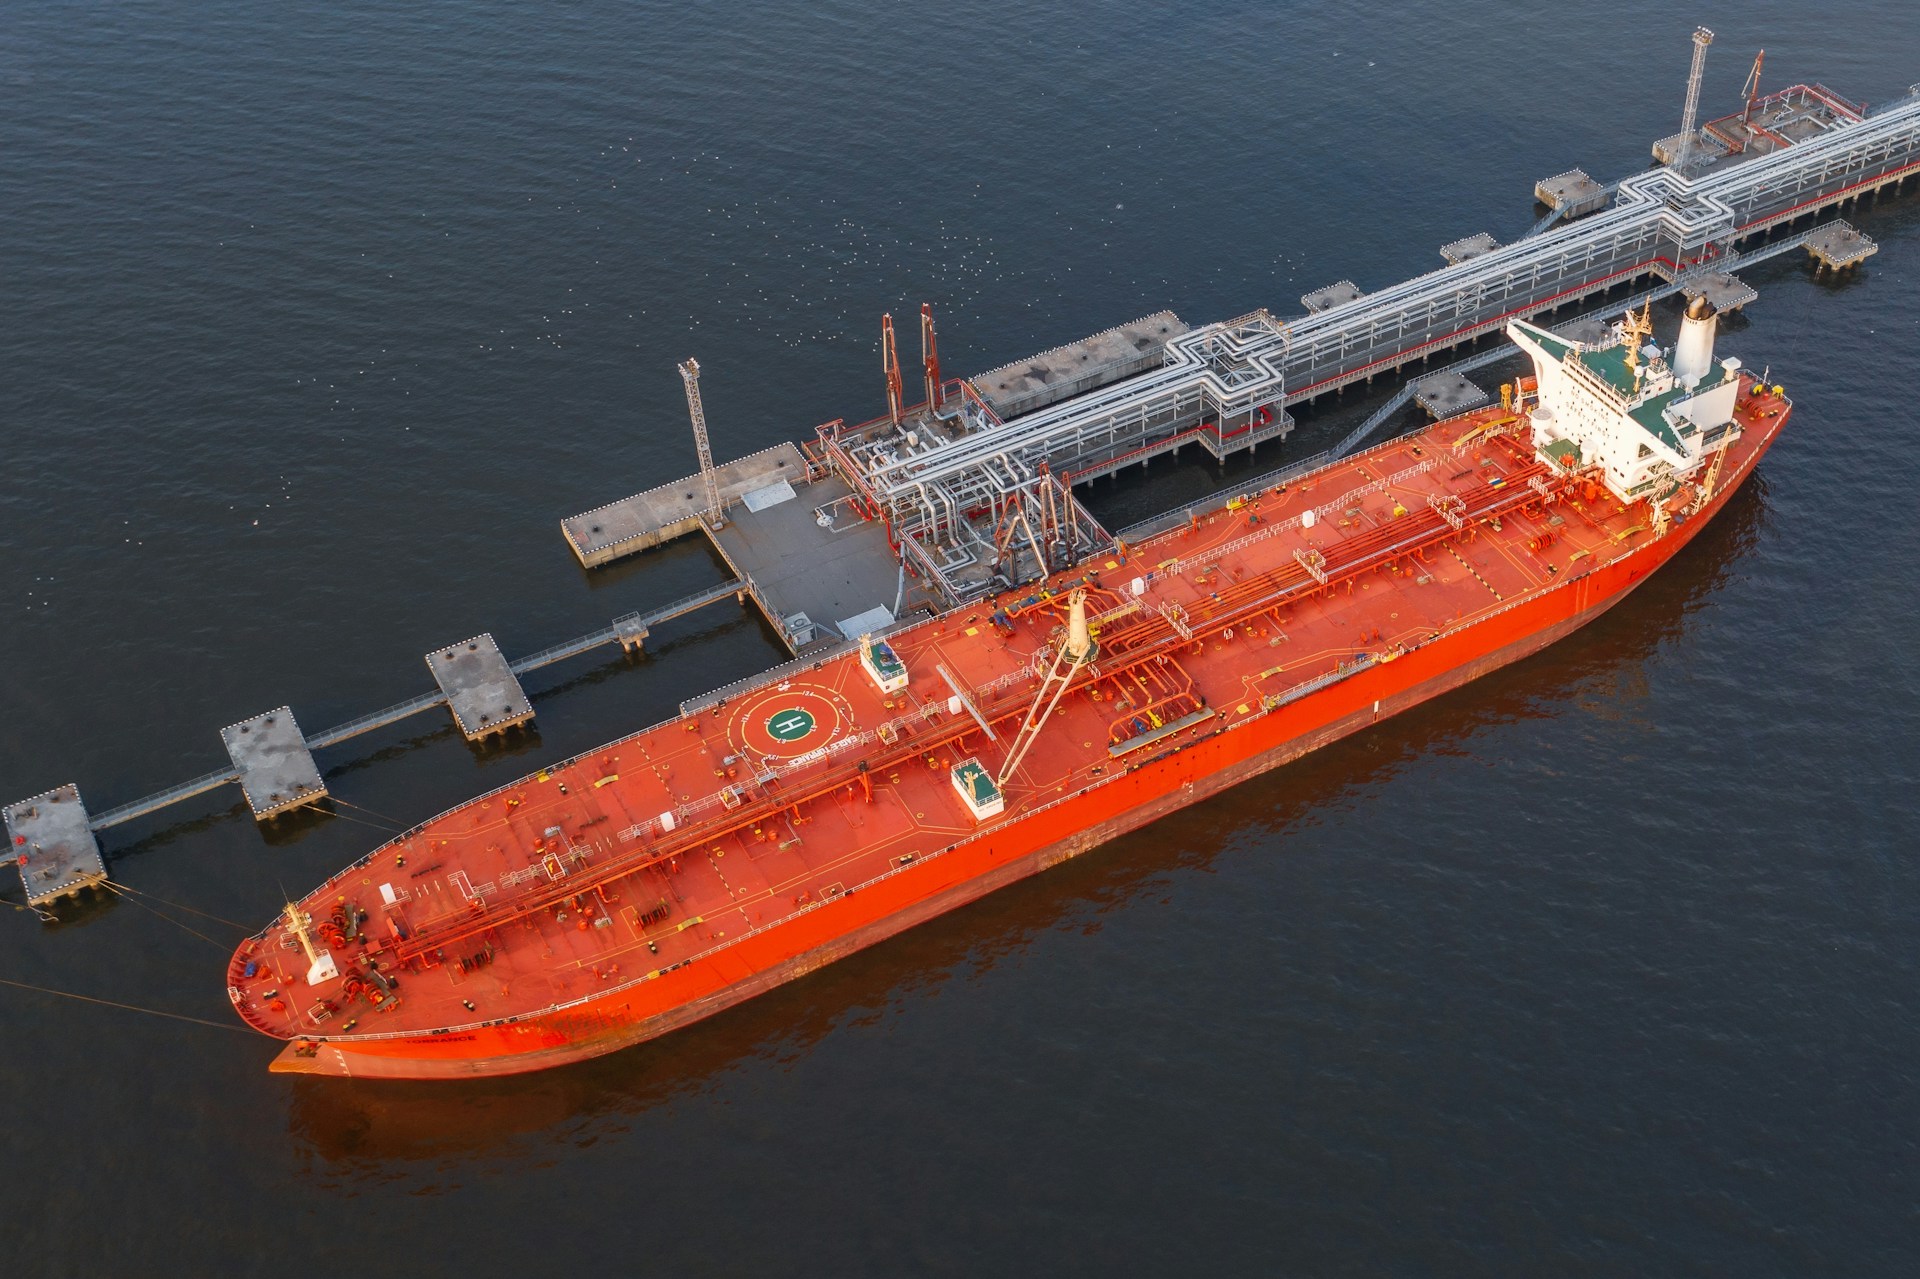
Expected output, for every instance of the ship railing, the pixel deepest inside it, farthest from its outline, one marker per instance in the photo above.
(448, 929)
(652, 828)
(1346, 501)
(1492, 502)
(683, 829)
(1166, 521)
(787, 670)
(892, 732)
(1449, 507)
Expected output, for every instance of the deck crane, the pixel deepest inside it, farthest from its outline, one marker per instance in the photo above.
(1076, 650)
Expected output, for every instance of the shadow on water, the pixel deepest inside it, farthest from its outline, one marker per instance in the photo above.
(351, 1122)
(685, 557)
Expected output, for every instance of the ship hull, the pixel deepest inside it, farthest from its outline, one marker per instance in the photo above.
(1003, 854)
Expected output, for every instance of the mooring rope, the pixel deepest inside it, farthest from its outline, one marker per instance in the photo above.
(382, 827)
(132, 1008)
(191, 910)
(391, 821)
(122, 890)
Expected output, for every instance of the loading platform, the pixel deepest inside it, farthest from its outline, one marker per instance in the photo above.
(1067, 371)
(662, 514)
(1725, 291)
(1327, 297)
(1571, 194)
(1444, 394)
(815, 567)
(1467, 249)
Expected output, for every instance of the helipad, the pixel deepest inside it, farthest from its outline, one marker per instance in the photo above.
(784, 723)
(791, 724)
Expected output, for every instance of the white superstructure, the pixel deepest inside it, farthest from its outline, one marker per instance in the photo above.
(1624, 407)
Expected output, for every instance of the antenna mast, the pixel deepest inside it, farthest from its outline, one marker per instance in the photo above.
(1702, 37)
(690, 374)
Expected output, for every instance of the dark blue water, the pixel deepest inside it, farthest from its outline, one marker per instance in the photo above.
(315, 320)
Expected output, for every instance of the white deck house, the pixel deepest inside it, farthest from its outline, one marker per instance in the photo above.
(1642, 415)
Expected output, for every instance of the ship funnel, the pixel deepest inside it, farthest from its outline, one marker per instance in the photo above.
(1693, 353)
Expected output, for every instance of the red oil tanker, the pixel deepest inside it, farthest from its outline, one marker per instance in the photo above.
(691, 865)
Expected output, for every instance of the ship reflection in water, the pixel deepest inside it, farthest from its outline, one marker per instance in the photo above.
(1601, 670)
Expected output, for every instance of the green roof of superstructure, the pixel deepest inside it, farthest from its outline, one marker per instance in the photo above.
(1561, 450)
(1608, 362)
(972, 774)
(1611, 364)
(1651, 415)
(885, 659)
(1555, 346)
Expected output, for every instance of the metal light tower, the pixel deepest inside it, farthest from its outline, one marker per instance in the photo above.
(1701, 39)
(930, 356)
(690, 374)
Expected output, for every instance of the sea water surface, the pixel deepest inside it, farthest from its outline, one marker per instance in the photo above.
(315, 319)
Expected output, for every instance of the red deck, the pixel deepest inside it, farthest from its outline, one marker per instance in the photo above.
(564, 915)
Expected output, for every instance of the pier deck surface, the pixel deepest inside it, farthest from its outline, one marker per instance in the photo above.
(1471, 246)
(673, 510)
(1839, 245)
(49, 839)
(1572, 193)
(480, 687)
(277, 772)
(1080, 366)
(797, 566)
(1585, 330)
(1326, 298)
(1445, 394)
(1726, 291)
